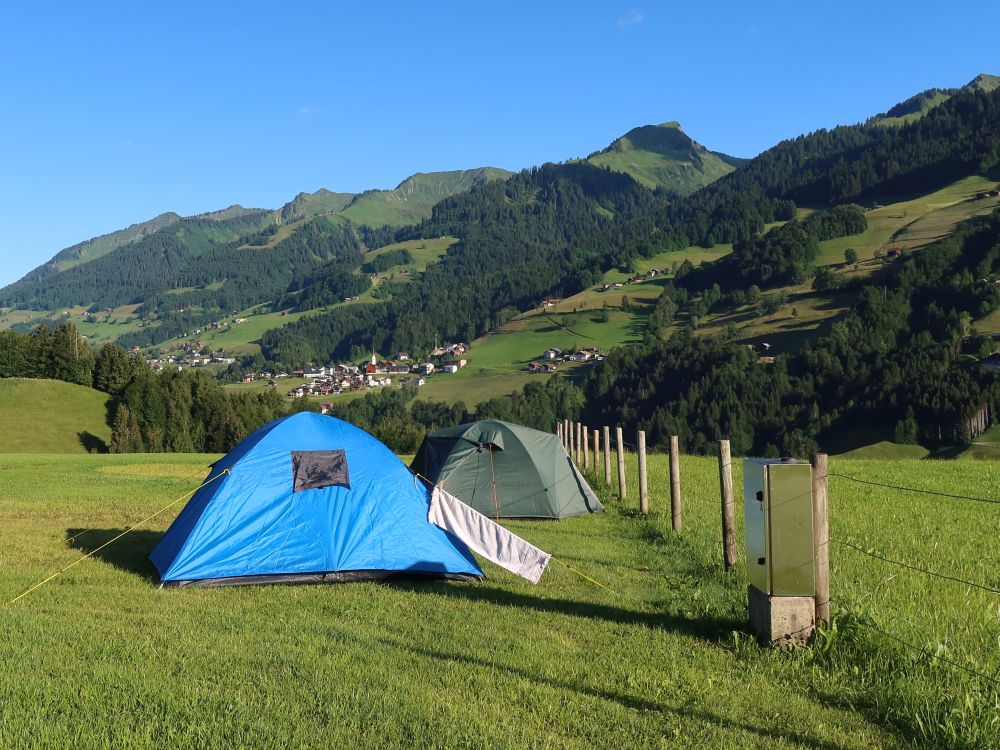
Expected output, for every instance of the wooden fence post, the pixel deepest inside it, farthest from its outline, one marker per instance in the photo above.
(675, 483)
(607, 455)
(597, 450)
(620, 445)
(643, 484)
(578, 444)
(566, 434)
(572, 446)
(586, 448)
(728, 510)
(821, 535)
(559, 431)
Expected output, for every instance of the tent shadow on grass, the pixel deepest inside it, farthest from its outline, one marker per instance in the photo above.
(712, 629)
(130, 553)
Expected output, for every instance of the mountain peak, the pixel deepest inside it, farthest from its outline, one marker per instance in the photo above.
(664, 156)
(984, 82)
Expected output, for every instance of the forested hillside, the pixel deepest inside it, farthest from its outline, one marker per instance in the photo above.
(136, 271)
(519, 240)
(849, 164)
(901, 365)
(525, 239)
(135, 265)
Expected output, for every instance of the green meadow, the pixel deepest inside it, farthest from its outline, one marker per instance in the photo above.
(100, 656)
(51, 416)
(914, 221)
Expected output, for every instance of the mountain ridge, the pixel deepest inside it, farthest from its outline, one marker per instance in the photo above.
(923, 102)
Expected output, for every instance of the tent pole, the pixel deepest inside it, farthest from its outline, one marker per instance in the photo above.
(493, 471)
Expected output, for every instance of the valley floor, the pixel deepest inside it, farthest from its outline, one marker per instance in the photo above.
(100, 656)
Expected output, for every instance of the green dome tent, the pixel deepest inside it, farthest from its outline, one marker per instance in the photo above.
(507, 470)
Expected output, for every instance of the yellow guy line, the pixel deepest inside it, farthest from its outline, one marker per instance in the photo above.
(132, 528)
(583, 575)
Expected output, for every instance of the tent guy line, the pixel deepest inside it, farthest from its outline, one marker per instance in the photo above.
(115, 539)
(192, 475)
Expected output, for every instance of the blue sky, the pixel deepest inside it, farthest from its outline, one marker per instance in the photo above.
(112, 114)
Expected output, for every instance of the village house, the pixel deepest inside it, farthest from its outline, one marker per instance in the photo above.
(541, 367)
(396, 368)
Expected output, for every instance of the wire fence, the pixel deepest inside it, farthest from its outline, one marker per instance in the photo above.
(920, 569)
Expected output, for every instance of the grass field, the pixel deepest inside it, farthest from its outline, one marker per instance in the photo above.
(100, 656)
(50, 416)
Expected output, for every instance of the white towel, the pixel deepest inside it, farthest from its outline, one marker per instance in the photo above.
(486, 537)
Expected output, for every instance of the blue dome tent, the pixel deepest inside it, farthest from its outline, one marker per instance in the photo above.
(308, 498)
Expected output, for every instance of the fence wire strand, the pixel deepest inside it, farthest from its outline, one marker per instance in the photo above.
(930, 654)
(915, 568)
(916, 489)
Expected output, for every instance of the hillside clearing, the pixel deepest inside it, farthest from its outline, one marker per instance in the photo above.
(914, 222)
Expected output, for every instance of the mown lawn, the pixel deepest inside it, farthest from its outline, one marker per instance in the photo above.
(100, 656)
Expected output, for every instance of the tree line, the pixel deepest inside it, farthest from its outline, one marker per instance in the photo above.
(151, 411)
(785, 255)
(187, 411)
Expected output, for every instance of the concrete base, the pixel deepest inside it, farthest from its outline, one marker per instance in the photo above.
(782, 620)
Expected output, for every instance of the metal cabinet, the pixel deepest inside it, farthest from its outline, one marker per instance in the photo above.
(777, 501)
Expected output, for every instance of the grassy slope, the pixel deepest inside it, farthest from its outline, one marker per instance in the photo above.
(107, 326)
(917, 106)
(914, 222)
(49, 416)
(311, 204)
(497, 360)
(411, 201)
(663, 156)
(101, 655)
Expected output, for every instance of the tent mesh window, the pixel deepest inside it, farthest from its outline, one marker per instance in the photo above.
(315, 469)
